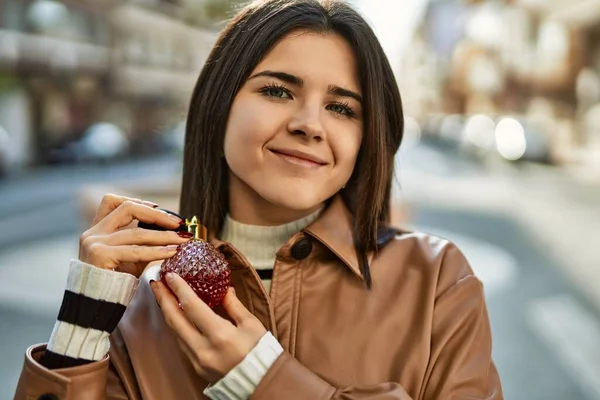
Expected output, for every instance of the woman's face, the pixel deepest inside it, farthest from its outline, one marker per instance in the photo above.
(295, 126)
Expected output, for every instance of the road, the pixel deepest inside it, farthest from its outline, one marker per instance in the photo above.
(41, 204)
(543, 329)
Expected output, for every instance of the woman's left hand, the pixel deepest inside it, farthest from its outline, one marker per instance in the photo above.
(213, 344)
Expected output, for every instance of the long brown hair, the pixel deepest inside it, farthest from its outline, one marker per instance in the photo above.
(247, 39)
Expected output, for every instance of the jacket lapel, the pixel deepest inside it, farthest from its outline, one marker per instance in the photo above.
(334, 230)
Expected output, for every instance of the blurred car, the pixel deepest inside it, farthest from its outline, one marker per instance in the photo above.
(101, 142)
(451, 128)
(478, 135)
(539, 144)
(514, 138)
(173, 139)
(444, 129)
(430, 125)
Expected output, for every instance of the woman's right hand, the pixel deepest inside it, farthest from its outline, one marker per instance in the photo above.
(111, 244)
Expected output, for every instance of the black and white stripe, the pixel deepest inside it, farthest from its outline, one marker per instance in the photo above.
(93, 304)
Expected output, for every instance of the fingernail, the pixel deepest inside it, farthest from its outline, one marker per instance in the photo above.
(170, 248)
(153, 284)
(176, 219)
(185, 235)
(150, 203)
(170, 277)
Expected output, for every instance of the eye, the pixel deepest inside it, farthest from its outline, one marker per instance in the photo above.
(343, 109)
(276, 91)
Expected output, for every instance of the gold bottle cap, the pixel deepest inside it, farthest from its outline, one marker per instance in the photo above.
(199, 230)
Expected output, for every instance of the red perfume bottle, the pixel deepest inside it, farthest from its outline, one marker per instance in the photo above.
(201, 265)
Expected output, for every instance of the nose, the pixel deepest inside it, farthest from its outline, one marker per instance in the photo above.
(307, 124)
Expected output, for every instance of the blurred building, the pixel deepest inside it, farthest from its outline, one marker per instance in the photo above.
(536, 61)
(68, 66)
(155, 61)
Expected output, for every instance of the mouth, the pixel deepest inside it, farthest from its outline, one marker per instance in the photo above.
(299, 158)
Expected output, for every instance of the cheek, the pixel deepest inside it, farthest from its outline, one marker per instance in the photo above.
(246, 131)
(345, 150)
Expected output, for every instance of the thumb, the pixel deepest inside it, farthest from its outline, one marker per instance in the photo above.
(234, 307)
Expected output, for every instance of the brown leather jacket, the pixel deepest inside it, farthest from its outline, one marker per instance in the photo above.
(422, 332)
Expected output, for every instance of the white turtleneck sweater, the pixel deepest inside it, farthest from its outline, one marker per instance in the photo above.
(260, 243)
(76, 341)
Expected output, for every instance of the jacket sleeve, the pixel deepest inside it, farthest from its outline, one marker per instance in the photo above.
(288, 378)
(93, 381)
(460, 365)
(75, 362)
(93, 303)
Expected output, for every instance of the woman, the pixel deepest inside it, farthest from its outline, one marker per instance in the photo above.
(292, 130)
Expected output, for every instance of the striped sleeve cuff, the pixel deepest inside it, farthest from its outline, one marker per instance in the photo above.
(241, 381)
(95, 299)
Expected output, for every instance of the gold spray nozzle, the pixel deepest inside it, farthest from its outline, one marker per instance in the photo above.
(196, 228)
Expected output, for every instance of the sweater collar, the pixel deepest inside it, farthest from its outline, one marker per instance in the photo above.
(333, 228)
(260, 243)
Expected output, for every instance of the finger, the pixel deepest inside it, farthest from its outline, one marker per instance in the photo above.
(104, 256)
(129, 211)
(176, 318)
(197, 310)
(136, 253)
(111, 201)
(146, 237)
(234, 307)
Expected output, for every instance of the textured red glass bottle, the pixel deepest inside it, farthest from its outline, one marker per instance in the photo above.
(202, 266)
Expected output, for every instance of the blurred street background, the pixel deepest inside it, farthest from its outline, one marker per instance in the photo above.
(501, 154)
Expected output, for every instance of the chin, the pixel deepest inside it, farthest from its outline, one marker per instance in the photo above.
(295, 199)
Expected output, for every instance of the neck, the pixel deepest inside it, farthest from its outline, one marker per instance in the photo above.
(248, 207)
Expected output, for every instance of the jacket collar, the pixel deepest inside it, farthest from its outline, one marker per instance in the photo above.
(333, 229)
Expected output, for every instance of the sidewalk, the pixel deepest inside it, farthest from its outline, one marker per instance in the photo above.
(560, 212)
(568, 222)
(562, 208)
(34, 274)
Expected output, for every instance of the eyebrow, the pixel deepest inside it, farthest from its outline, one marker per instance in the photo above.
(339, 91)
(297, 81)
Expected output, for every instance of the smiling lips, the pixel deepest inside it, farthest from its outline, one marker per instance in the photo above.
(299, 158)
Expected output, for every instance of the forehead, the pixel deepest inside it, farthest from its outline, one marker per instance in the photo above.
(317, 58)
